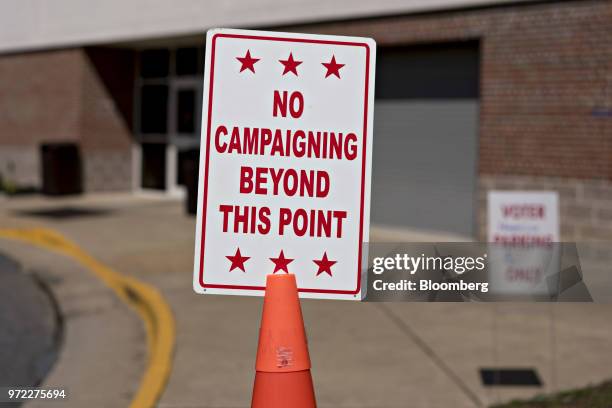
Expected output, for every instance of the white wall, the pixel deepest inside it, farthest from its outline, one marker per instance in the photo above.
(34, 24)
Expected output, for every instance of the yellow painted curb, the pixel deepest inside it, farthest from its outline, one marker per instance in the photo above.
(145, 299)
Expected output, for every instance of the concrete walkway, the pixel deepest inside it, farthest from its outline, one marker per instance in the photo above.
(363, 354)
(103, 351)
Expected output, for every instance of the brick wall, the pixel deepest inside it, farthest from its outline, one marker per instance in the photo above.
(106, 119)
(20, 165)
(40, 97)
(545, 97)
(66, 95)
(107, 170)
(545, 69)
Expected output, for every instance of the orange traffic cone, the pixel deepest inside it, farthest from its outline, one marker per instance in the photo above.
(282, 378)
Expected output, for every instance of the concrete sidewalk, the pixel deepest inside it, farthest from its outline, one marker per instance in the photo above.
(363, 354)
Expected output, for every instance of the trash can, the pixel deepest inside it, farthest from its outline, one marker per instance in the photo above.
(61, 169)
(190, 179)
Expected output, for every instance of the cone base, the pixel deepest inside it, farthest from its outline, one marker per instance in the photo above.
(283, 390)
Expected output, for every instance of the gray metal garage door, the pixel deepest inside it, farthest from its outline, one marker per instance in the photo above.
(425, 137)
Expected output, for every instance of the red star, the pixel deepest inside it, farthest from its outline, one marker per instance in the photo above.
(290, 64)
(333, 68)
(247, 62)
(281, 263)
(324, 265)
(238, 260)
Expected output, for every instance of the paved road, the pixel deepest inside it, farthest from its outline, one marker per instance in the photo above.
(30, 332)
(364, 355)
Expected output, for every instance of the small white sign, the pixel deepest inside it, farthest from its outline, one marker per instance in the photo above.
(523, 217)
(523, 229)
(285, 162)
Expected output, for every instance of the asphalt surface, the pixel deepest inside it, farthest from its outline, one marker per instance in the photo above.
(30, 329)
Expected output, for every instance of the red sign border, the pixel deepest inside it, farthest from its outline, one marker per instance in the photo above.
(363, 159)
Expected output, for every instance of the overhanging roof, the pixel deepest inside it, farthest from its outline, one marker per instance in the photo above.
(39, 24)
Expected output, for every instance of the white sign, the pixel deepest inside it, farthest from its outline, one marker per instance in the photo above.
(523, 217)
(523, 227)
(285, 162)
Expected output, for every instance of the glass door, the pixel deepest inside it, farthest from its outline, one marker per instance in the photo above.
(186, 94)
(167, 110)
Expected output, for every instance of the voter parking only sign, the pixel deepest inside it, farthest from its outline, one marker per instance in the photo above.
(285, 162)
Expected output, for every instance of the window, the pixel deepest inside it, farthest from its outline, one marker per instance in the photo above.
(154, 166)
(185, 111)
(154, 63)
(168, 95)
(187, 61)
(154, 107)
